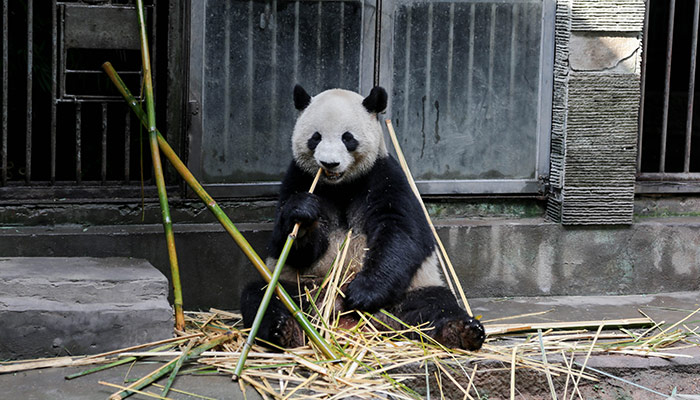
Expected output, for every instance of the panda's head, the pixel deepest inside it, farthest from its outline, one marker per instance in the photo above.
(338, 130)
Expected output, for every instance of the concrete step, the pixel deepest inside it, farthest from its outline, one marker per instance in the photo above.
(53, 306)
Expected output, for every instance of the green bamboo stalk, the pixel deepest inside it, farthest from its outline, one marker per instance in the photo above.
(268, 292)
(158, 171)
(176, 369)
(117, 363)
(222, 218)
(196, 352)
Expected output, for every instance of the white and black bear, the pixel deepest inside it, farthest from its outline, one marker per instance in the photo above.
(363, 189)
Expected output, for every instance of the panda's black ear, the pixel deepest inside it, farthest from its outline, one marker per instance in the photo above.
(376, 101)
(301, 98)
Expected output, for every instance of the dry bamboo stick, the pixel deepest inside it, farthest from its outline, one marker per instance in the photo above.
(148, 394)
(585, 361)
(496, 329)
(546, 366)
(185, 393)
(412, 184)
(141, 346)
(51, 363)
(471, 382)
(512, 373)
(301, 386)
(671, 327)
(136, 386)
(516, 316)
(451, 378)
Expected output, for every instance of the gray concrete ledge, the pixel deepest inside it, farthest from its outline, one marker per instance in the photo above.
(60, 306)
(493, 257)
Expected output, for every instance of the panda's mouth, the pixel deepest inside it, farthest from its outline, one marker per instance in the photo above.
(332, 176)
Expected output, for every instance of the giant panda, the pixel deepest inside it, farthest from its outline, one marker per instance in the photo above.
(361, 188)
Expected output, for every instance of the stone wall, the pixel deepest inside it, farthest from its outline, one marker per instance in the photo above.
(595, 111)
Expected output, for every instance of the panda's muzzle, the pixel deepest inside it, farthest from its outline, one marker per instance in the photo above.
(333, 176)
(327, 170)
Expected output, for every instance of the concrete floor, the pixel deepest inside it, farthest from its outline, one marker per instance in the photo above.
(659, 374)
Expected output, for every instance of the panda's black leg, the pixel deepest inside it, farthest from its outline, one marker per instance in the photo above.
(277, 326)
(452, 326)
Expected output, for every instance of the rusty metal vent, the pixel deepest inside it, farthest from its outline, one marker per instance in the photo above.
(63, 124)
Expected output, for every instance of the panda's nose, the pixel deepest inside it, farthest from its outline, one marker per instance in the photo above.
(330, 165)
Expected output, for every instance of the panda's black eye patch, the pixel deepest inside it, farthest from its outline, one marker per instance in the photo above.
(350, 142)
(314, 141)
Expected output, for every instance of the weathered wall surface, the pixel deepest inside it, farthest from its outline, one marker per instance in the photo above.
(493, 257)
(595, 111)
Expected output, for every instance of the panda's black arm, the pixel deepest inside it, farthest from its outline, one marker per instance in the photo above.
(398, 238)
(297, 205)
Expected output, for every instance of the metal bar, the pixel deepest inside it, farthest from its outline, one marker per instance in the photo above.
(670, 176)
(667, 86)
(63, 52)
(691, 87)
(377, 40)
(5, 67)
(428, 72)
(492, 52)
(341, 46)
(103, 172)
(54, 62)
(296, 42)
(227, 77)
(273, 65)
(645, 51)
(450, 56)
(319, 43)
(30, 83)
(407, 69)
(251, 68)
(470, 63)
(127, 146)
(513, 51)
(78, 123)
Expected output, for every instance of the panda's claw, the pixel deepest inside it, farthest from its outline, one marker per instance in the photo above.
(466, 334)
(287, 333)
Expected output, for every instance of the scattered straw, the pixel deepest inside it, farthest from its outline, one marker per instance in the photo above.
(376, 361)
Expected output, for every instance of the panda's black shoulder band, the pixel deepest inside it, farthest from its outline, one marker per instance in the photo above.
(301, 98)
(376, 101)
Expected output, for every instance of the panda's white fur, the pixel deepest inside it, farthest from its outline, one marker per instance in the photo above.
(331, 114)
(427, 275)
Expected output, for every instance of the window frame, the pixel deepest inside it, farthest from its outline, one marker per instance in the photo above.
(532, 186)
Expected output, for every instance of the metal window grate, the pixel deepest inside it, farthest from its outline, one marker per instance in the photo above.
(668, 138)
(466, 76)
(63, 124)
(246, 58)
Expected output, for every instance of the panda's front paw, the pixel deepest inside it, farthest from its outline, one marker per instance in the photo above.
(466, 334)
(304, 208)
(364, 295)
